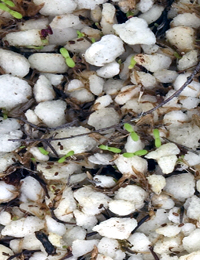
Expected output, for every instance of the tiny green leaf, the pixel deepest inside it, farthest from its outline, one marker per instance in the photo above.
(16, 14)
(128, 155)
(23, 146)
(9, 3)
(93, 40)
(5, 116)
(134, 136)
(80, 34)
(114, 150)
(129, 14)
(176, 55)
(35, 47)
(43, 151)
(4, 7)
(70, 62)
(156, 134)
(111, 149)
(132, 63)
(33, 159)
(128, 127)
(62, 159)
(141, 152)
(64, 53)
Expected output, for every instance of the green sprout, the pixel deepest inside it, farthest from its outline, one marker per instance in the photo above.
(35, 47)
(43, 151)
(176, 55)
(5, 7)
(129, 14)
(33, 159)
(111, 149)
(93, 40)
(80, 34)
(69, 61)
(137, 153)
(133, 134)
(4, 113)
(156, 134)
(62, 159)
(132, 63)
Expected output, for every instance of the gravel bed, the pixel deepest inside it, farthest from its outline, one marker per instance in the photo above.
(99, 130)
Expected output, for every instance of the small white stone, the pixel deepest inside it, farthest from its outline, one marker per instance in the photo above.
(188, 60)
(163, 201)
(96, 84)
(102, 102)
(191, 243)
(103, 117)
(31, 189)
(19, 91)
(109, 70)
(5, 218)
(53, 78)
(175, 117)
(164, 150)
(56, 7)
(6, 159)
(52, 113)
(73, 234)
(131, 165)
(169, 231)
(82, 95)
(14, 63)
(149, 49)
(140, 242)
(153, 62)
(104, 181)
(121, 207)
(7, 192)
(157, 183)
(167, 163)
(187, 229)
(146, 79)
(103, 159)
(192, 256)
(112, 86)
(48, 62)
(180, 186)
(77, 144)
(65, 21)
(135, 31)
(164, 245)
(82, 247)
(186, 19)
(5, 252)
(74, 84)
(25, 38)
(43, 90)
(29, 24)
(116, 228)
(110, 247)
(145, 5)
(189, 102)
(126, 93)
(84, 220)
(165, 76)
(32, 117)
(152, 14)
(132, 146)
(193, 207)
(90, 200)
(108, 18)
(182, 37)
(54, 227)
(104, 51)
(23, 227)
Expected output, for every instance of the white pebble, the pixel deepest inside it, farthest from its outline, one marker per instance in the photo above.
(121, 207)
(56, 7)
(14, 63)
(84, 220)
(19, 91)
(53, 78)
(5, 252)
(182, 37)
(186, 19)
(131, 165)
(164, 150)
(102, 102)
(73, 234)
(135, 31)
(187, 228)
(90, 200)
(48, 62)
(108, 18)
(52, 113)
(132, 146)
(145, 5)
(104, 51)
(112, 86)
(29, 24)
(23, 227)
(180, 186)
(146, 79)
(38, 155)
(140, 242)
(175, 117)
(153, 62)
(188, 60)
(169, 230)
(43, 90)
(77, 144)
(110, 247)
(32, 117)
(82, 247)
(6, 159)
(103, 117)
(89, 4)
(164, 245)
(103, 159)
(74, 84)
(116, 228)
(192, 256)
(157, 183)
(82, 95)
(65, 21)
(96, 84)
(109, 70)
(165, 76)
(104, 181)
(191, 243)
(192, 206)
(152, 14)
(24, 38)
(163, 201)
(7, 192)
(126, 93)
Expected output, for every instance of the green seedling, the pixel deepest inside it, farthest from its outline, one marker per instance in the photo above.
(22, 147)
(43, 151)
(156, 134)
(69, 61)
(129, 14)
(33, 159)
(132, 63)
(93, 40)
(35, 47)
(5, 7)
(111, 149)
(62, 159)
(137, 153)
(80, 34)
(4, 113)
(133, 134)
(177, 56)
